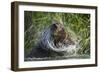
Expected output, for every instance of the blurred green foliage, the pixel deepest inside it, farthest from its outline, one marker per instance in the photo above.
(35, 22)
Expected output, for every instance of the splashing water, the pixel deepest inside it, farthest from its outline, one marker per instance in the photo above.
(48, 43)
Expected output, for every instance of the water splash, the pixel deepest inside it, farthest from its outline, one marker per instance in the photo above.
(48, 43)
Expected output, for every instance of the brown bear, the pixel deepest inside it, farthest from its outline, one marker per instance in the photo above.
(54, 41)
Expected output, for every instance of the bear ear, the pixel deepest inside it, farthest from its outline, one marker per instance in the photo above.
(54, 26)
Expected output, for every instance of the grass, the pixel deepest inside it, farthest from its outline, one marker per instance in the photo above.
(76, 23)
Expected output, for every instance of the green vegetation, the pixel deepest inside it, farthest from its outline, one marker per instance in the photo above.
(35, 22)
